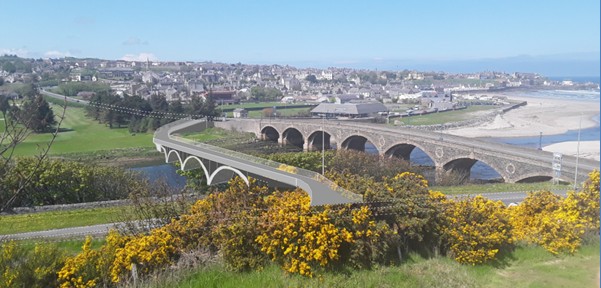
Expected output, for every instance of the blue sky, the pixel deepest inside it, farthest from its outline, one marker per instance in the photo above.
(340, 33)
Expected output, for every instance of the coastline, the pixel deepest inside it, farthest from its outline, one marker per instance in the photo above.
(587, 149)
(549, 116)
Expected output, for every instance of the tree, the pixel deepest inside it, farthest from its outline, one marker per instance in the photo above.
(37, 115)
(15, 133)
(9, 67)
(311, 78)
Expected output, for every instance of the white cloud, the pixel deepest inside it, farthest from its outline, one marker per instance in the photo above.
(134, 41)
(140, 57)
(57, 54)
(19, 52)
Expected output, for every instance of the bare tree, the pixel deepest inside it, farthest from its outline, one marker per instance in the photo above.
(15, 131)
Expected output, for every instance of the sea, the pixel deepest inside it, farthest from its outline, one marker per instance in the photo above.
(479, 171)
(579, 79)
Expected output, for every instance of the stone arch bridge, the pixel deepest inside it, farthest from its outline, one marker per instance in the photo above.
(448, 152)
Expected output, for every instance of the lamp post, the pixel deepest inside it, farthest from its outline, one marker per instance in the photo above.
(323, 145)
(577, 153)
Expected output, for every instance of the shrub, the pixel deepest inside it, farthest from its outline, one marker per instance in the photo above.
(23, 267)
(477, 229)
(148, 252)
(92, 268)
(360, 163)
(296, 237)
(545, 219)
(65, 182)
(226, 222)
(411, 213)
(587, 202)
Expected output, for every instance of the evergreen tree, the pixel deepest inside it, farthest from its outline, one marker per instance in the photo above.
(37, 114)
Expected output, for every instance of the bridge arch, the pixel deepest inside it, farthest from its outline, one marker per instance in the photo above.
(463, 165)
(188, 164)
(317, 138)
(535, 177)
(403, 150)
(172, 156)
(357, 142)
(270, 133)
(293, 136)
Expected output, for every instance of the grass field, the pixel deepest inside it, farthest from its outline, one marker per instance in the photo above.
(526, 267)
(11, 224)
(443, 117)
(499, 187)
(81, 134)
(70, 246)
(286, 112)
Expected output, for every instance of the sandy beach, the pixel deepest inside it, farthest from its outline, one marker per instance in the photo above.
(549, 116)
(587, 149)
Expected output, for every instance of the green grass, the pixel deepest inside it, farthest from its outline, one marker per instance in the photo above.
(286, 112)
(70, 246)
(214, 135)
(254, 105)
(443, 117)
(526, 267)
(499, 187)
(82, 134)
(10, 224)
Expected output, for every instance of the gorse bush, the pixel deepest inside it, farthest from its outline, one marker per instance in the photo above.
(546, 219)
(298, 238)
(66, 182)
(227, 222)
(247, 226)
(24, 267)
(476, 229)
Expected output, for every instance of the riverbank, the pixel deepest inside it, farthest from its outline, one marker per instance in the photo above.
(126, 157)
(587, 149)
(550, 116)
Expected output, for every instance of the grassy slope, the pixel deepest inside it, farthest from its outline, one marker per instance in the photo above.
(526, 267)
(83, 135)
(499, 187)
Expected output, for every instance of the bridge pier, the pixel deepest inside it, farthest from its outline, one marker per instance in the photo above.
(455, 175)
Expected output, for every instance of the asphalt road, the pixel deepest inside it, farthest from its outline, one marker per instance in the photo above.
(63, 97)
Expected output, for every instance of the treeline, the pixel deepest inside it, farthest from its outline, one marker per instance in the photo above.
(29, 182)
(72, 88)
(142, 115)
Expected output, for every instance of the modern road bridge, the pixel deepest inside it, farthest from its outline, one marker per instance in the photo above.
(219, 165)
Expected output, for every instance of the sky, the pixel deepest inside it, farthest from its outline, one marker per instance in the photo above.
(393, 34)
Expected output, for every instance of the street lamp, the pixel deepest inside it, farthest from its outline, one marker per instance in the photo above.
(323, 146)
(577, 152)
